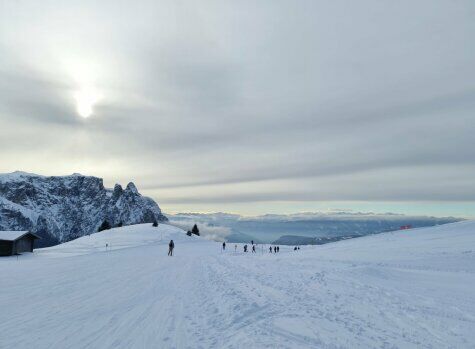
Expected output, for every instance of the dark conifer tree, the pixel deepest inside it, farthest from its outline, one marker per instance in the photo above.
(155, 223)
(120, 224)
(104, 226)
(195, 230)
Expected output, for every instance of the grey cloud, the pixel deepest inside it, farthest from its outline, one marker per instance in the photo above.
(228, 93)
(31, 96)
(437, 184)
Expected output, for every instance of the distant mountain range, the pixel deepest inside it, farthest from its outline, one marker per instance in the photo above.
(306, 228)
(296, 240)
(62, 208)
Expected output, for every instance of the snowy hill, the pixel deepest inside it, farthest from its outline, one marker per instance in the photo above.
(62, 208)
(406, 289)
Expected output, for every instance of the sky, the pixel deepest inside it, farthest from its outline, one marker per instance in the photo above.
(247, 106)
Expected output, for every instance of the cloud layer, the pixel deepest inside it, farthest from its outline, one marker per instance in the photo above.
(245, 102)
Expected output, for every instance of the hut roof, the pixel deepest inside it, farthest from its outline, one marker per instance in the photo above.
(15, 235)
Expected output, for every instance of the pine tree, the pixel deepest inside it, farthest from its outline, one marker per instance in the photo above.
(104, 226)
(195, 230)
(155, 223)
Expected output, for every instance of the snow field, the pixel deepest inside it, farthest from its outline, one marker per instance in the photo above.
(407, 289)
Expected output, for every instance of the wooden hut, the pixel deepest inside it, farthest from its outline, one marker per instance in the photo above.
(16, 242)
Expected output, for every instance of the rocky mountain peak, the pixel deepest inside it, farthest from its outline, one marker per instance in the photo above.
(62, 208)
(132, 188)
(117, 192)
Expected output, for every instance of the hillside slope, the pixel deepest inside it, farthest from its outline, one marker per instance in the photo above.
(407, 289)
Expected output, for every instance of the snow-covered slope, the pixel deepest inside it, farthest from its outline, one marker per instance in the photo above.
(407, 289)
(63, 208)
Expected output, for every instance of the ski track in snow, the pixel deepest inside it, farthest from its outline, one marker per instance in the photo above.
(411, 289)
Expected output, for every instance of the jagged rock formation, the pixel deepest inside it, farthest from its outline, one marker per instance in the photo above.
(63, 208)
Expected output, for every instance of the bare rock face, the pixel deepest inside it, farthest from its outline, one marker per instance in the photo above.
(63, 208)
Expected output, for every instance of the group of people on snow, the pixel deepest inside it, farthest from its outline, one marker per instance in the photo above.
(253, 248)
(275, 249)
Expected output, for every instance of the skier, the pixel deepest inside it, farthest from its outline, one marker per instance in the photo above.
(278, 249)
(270, 249)
(253, 248)
(235, 248)
(275, 249)
(252, 242)
(295, 248)
(171, 246)
(245, 248)
(224, 246)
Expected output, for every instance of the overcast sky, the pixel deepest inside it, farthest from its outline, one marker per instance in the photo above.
(247, 106)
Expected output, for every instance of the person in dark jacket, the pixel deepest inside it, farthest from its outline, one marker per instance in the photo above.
(245, 248)
(253, 248)
(270, 249)
(278, 249)
(171, 246)
(275, 249)
(224, 246)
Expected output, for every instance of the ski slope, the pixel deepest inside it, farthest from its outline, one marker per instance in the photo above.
(406, 289)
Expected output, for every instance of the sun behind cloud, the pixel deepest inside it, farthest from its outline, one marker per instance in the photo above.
(86, 97)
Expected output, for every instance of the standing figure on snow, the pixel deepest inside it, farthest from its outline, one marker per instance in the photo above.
(245, 248)
(224, 245)
(275, 249)
(235, 248)
(171, 246)
(270, 249)
(278, 249)
(252, 242)
(253, 248)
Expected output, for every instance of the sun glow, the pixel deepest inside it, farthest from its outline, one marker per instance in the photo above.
(86, 98)
(85, 75)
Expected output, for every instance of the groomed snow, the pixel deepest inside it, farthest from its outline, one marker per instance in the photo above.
(407, 289)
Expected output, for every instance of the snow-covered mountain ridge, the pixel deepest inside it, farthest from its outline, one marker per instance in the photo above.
(62, 208)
